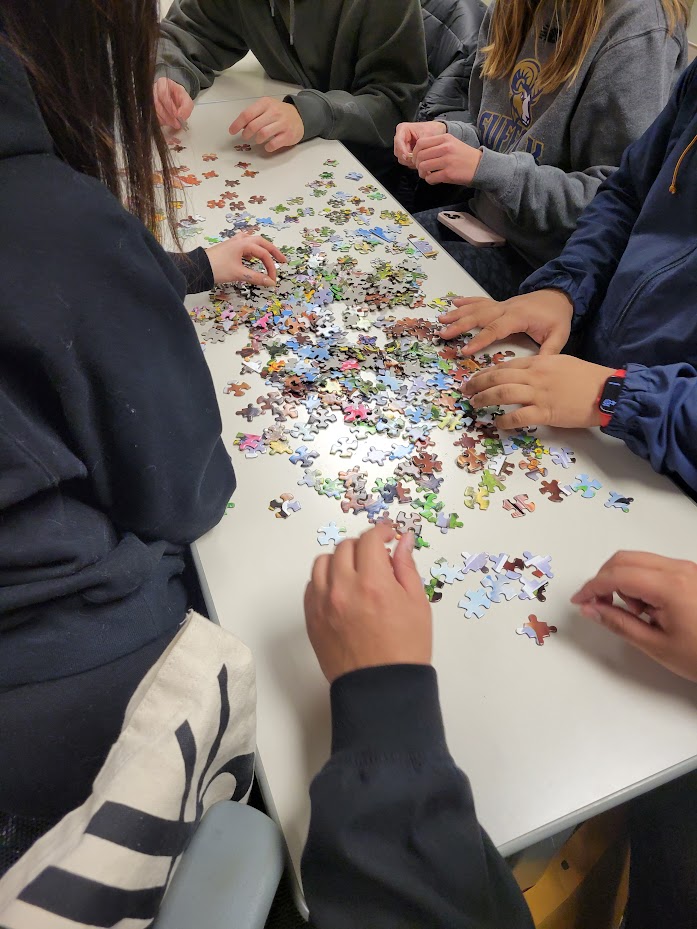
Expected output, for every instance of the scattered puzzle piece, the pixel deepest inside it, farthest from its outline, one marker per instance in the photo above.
(618, 502)
(534, 629)
(330, 535)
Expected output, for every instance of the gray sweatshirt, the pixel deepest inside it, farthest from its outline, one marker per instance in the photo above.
(362, 63)
(546, 155)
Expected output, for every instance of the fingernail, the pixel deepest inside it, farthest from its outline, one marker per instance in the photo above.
(411, 542)
(590, 612)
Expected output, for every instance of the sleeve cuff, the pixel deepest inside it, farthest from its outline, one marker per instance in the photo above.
(315, 112)
(179, 76)
(196, 269)
(496, 171)
(465, 132)
(387, 710)
(628, 410)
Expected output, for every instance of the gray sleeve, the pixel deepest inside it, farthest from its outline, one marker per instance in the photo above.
(390, 76)
(617, 106)
(465, 132)
(198, 39)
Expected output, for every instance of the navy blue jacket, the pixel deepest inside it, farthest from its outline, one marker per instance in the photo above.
(630, 270)
(111, 458)
(394, 840)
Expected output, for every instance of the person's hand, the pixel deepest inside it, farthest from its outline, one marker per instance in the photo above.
(544, 315)
(226, 260)
(364, 609)
(446, 160)
(270, 123)
(551, 390)
(664, 591)
(172, 103)
(408, 134)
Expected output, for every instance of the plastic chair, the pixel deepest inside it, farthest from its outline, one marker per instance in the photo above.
(229, 874)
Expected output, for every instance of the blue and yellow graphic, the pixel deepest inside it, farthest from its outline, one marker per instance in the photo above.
(502, 133)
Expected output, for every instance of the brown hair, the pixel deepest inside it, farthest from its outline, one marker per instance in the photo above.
(91, 64)
(578, 22)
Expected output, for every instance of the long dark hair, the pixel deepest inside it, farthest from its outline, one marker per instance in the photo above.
(91, 64)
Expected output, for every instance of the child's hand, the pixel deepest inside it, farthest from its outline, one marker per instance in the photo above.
(551, 390)
(172, 103)
(364, 609)
(544, 315)
(664, 591)
(226, 260)
(408, 134)
(446, 160)
(270, 123)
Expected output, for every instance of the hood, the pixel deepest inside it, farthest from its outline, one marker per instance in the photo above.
(291, 21)
(22, 127)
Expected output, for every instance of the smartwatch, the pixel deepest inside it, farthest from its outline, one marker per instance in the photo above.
(607, 401)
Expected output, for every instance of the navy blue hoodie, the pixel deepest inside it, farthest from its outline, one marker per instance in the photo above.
(111, 459)
(630, 270)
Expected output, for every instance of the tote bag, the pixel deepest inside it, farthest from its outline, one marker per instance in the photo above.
(187, 742)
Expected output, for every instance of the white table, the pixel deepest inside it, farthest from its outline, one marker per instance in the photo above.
(548, 736)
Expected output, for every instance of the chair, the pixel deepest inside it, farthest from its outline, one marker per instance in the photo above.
(229, 874)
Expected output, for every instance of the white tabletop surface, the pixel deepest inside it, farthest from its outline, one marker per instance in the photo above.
(548, 736)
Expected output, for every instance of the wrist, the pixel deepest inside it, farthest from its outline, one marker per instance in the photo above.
(608, 396)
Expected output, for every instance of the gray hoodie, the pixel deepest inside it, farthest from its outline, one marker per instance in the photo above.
(546, 155)
(362, 63)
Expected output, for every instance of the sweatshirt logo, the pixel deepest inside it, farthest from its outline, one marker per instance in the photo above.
(524, 90)
(503, 133)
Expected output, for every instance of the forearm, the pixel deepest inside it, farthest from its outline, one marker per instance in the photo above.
(656, 416)
(394, 839)
(540, 198)
(198, 40)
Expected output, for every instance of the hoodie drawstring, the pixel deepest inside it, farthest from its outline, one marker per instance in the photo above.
(291, 28)
(674, 185)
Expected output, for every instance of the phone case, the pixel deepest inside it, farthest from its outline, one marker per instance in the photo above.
(471, 229)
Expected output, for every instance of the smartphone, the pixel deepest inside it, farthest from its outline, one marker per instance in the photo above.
(470, 229)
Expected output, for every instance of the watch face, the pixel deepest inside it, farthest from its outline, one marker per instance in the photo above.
(611, 394)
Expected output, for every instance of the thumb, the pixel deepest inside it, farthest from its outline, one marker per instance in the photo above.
(625, 625)
(404, 567)
(554, 343)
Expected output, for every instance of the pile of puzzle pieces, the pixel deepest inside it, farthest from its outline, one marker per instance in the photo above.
(339, 345)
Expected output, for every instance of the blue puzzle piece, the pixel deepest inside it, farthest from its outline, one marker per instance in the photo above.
(588, 487)
(619, 502)
(499, 587)
(475, 603)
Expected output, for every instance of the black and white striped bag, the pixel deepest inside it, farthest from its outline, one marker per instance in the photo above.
(187, 742)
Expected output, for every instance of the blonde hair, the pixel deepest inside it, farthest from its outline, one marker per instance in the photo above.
(578, 22)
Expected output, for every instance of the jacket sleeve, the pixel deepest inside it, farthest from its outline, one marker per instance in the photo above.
(394, 839)
(591, 256)
(196, 269)
(198, 39)
(617, 105)
(656, 416)
(390, 76)
(448, 95)
(466, 129)
(137, 399)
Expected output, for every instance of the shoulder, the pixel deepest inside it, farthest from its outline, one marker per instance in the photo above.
(67, 243)
(632, 18)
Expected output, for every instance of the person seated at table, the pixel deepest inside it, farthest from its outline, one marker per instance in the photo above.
(394, 838)
(452, 31)
(362, 67)
(619, 299)
(110, 435)
(558, 91)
